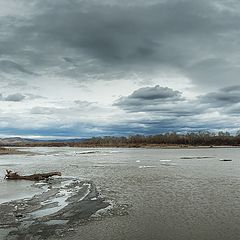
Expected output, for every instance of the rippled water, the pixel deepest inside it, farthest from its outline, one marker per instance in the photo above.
(173, 194)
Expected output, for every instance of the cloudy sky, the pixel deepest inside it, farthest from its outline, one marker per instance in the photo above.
(80, 68)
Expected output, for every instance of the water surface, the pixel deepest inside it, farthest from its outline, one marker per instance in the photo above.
(173, 193)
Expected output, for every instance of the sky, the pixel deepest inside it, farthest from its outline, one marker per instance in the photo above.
(82, 68)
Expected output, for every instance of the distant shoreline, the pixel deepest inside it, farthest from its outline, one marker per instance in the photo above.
(200, 139)
(13, 150)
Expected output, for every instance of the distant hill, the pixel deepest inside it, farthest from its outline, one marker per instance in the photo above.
(12, 141)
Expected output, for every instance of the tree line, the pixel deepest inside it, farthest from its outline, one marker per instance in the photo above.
(189, 139)
(201, 138)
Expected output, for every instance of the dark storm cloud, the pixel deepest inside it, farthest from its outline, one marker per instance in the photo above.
(153, 99)
(197, 38)
(137, 33)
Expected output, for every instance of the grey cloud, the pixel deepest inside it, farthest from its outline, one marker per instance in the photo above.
(43, 110)
(182, 115)
(170, 103)
(72, 110)
(10, 67)
(233, 110)
(81, 103)
(157, 92)
(231, 88)
(83, 40)
(222, 98)
(155, 125)
(17, 97)
(33, 96)
(124, 33)
(17, 83)
(70, 60)
(168, 115)
(189, 36)
(162, 34)
(212, 71)
(150, 99)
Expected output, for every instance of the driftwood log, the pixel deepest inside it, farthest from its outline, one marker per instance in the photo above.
(10, 175)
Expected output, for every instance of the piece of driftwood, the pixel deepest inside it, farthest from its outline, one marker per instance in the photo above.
(226, 160)
(10, 175)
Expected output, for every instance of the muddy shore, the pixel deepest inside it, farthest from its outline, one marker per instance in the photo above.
(64, 204)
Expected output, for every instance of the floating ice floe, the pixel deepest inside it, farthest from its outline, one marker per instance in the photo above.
(147, 166)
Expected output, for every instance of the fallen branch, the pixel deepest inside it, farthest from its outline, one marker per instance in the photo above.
(10, 175)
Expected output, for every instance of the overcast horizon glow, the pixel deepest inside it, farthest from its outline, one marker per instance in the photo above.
(83, 68)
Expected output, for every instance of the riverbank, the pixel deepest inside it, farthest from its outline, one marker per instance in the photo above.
(12, 151)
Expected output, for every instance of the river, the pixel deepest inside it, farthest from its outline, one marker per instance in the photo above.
(176, 194)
